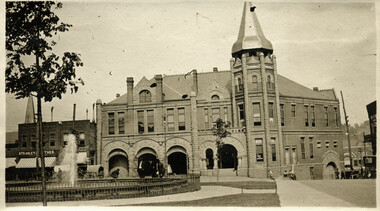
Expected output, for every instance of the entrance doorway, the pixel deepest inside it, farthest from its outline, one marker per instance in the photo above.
(329, 171)
(178, 162)
(119, 162)
(228, 155)
(209, 159)
(148, 164)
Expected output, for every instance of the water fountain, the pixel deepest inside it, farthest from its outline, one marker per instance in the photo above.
(68, 161)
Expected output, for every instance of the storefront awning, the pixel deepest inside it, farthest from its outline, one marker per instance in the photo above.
(31, 162)
(82, 158)
(10, 162)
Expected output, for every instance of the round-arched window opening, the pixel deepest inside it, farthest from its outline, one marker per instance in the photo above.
(145, 96)
(215, 97)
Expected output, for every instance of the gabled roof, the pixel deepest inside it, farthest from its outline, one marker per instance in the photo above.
(174, 86)
(290, 88)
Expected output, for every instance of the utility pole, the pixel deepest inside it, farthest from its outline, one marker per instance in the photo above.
(74, 117)
(51, 110)
(348, 131)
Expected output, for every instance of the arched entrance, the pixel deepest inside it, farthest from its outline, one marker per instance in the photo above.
(331, 164)
(118, 159)
(209, 159)
(148, 158)
(329, 171)
(228, 156)
(177, 159)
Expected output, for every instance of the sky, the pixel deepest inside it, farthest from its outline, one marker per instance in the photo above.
(324, 45)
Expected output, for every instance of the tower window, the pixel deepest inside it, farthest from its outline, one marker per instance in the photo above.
(255, 83)
(256, 114)
(273, 148)
(271, 112)
(241, 115)
(239, 84)
(269, 83)
(282, 115)
(259, 150)
(145, 96)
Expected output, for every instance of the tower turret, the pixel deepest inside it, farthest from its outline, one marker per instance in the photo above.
(251, 36)
(29, 115)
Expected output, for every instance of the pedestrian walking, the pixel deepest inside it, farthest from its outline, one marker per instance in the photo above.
(59, 175)
(140, 169)
(161, 169)
(170, 171)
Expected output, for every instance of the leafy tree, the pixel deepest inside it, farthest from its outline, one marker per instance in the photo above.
(30, 27)
(220, 130)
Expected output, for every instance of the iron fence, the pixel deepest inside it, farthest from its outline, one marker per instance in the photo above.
(101, 189)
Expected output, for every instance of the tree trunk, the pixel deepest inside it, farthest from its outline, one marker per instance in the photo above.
(42, 152)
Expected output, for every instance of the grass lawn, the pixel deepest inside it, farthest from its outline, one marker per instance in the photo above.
(243, 184)
(237, 200)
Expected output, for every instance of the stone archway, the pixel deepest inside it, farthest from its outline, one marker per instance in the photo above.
(178, 159)
(331, 164)
(118, 159)
(228, 157)
(147, 156)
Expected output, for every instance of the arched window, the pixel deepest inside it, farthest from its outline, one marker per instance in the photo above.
(145, 96)
(254, 82)
(269, 82)
(209, 159)
(215, 97)
(239, 84)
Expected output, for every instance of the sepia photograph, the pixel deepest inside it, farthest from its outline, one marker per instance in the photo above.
(178, 104)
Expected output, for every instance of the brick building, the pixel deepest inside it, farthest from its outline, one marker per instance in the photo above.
(54, 136)
(277, 124)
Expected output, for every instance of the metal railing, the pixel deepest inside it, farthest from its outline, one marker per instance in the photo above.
(101, 189)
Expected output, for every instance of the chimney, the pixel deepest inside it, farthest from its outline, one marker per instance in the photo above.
(315, 88)
(130, 90)
(194, 88)
(117, 95)
(158, 88)
(215, 69)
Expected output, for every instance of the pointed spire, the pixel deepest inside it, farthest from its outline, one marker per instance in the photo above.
(251, 35)
(29, 115)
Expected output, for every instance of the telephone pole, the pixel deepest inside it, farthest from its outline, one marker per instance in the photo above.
(348, 131)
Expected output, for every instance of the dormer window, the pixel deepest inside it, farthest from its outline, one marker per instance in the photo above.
(215, 97)
(145, 96)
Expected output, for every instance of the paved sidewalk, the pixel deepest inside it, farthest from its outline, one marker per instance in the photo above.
(231, 179)
(295, 194)
(205, 192)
